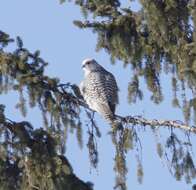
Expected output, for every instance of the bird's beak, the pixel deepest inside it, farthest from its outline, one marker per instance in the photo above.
(83, 66)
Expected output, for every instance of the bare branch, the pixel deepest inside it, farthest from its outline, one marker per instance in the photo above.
(139, 120)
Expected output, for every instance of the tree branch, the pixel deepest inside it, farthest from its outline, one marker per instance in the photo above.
(139, 120)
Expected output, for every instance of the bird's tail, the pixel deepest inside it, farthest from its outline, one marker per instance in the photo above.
(114, 121)
(105, 111)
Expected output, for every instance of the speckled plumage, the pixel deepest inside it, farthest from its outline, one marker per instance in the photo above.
(99, 89)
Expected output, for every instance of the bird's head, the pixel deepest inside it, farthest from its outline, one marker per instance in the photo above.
(90, 65)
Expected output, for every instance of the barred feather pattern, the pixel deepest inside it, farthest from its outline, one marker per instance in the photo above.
(100, 91)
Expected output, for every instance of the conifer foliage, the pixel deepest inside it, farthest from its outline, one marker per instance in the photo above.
(32, 158)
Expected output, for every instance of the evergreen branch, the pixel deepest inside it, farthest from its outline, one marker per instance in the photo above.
(139, 120)
(33, 142)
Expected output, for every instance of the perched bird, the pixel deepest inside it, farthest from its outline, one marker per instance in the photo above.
(99, 89)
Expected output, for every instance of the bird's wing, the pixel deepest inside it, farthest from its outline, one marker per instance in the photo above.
(110, 83)
(100, 87)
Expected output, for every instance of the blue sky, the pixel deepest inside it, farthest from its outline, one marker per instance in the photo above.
(47, 26)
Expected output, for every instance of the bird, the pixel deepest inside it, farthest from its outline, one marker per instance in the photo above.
(99, 89)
